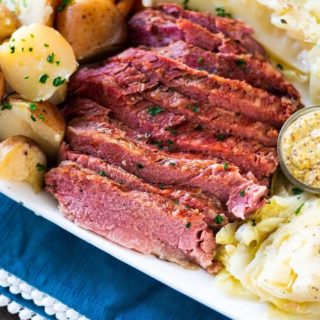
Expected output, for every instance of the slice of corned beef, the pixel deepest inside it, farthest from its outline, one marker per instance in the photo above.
(142, 221)
(159, 128)
(155, 29)
(233, 95)
(108, 85)
(256, 72)
(106, 140)
(233, 28)
(210, 207)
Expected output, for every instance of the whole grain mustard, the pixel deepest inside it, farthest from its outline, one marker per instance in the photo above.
(301, 149)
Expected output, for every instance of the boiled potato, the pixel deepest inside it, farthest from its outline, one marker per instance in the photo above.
(40, 121)
(125, 6)
(92, 27)
(2, 85)
(8, 23)
(22, 160)
(37, 61)
(33, 11)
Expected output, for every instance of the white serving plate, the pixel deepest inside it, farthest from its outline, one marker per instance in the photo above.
(196, 284)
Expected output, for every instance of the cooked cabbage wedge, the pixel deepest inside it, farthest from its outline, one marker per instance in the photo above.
(275, 255)
(22, 160)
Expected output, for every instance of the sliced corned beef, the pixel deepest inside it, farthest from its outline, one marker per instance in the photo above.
(233, 95)
(160, 129)
(142, 221)
(108, 85)
(256, 72)
(210, 207)
(106, 140)
(155, 29)
(233, 28)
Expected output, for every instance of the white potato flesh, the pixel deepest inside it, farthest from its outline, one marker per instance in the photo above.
(37, 61)
(32, 11)
(42, 122)
(22, 160)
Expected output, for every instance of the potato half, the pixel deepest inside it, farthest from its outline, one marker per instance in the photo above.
(31, 11)
(40, 121)
(22, 160)
(92, 27)
(8, 23)
(37, 61)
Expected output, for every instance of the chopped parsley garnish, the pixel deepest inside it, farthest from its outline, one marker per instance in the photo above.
(200, 61)
(298, 211)
(46, 45)
(170, 145)
(57, 62)
(253, 223)
(284, 21)
(187, 207)
(43, 78)
(280, 66)
(176, 201)
(50, 58)
(218, 219)
(58, 81)
(240, 63)
(185, 4)
(221, 12)
(220, 137)
(102, 174)
(158, 144)
(7, 106)
(226, 166)
(41, 117)
(12, 49)
(242, 193)
(26, 77)
(194, 107)
(154, 110)
(32, 106)
(30, 49)
(188, 225)
(140, 166)
(33, 118)
(40, 167)
(172, 131)
(64, 4)
(172, 164)
(161, 186)
(296, 191)
(31, 35)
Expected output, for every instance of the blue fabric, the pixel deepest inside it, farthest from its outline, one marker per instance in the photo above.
(83, 277)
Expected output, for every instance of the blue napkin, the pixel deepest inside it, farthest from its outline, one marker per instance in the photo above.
(82, 276)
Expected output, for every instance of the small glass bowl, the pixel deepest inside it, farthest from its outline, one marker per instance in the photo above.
(283, 165)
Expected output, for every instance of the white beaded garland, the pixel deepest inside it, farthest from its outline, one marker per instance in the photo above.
(52, 307)
(14, 307)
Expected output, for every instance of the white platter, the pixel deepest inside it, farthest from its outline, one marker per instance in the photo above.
(196, 284)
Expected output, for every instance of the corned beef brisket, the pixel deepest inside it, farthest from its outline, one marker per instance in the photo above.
(167, 142)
